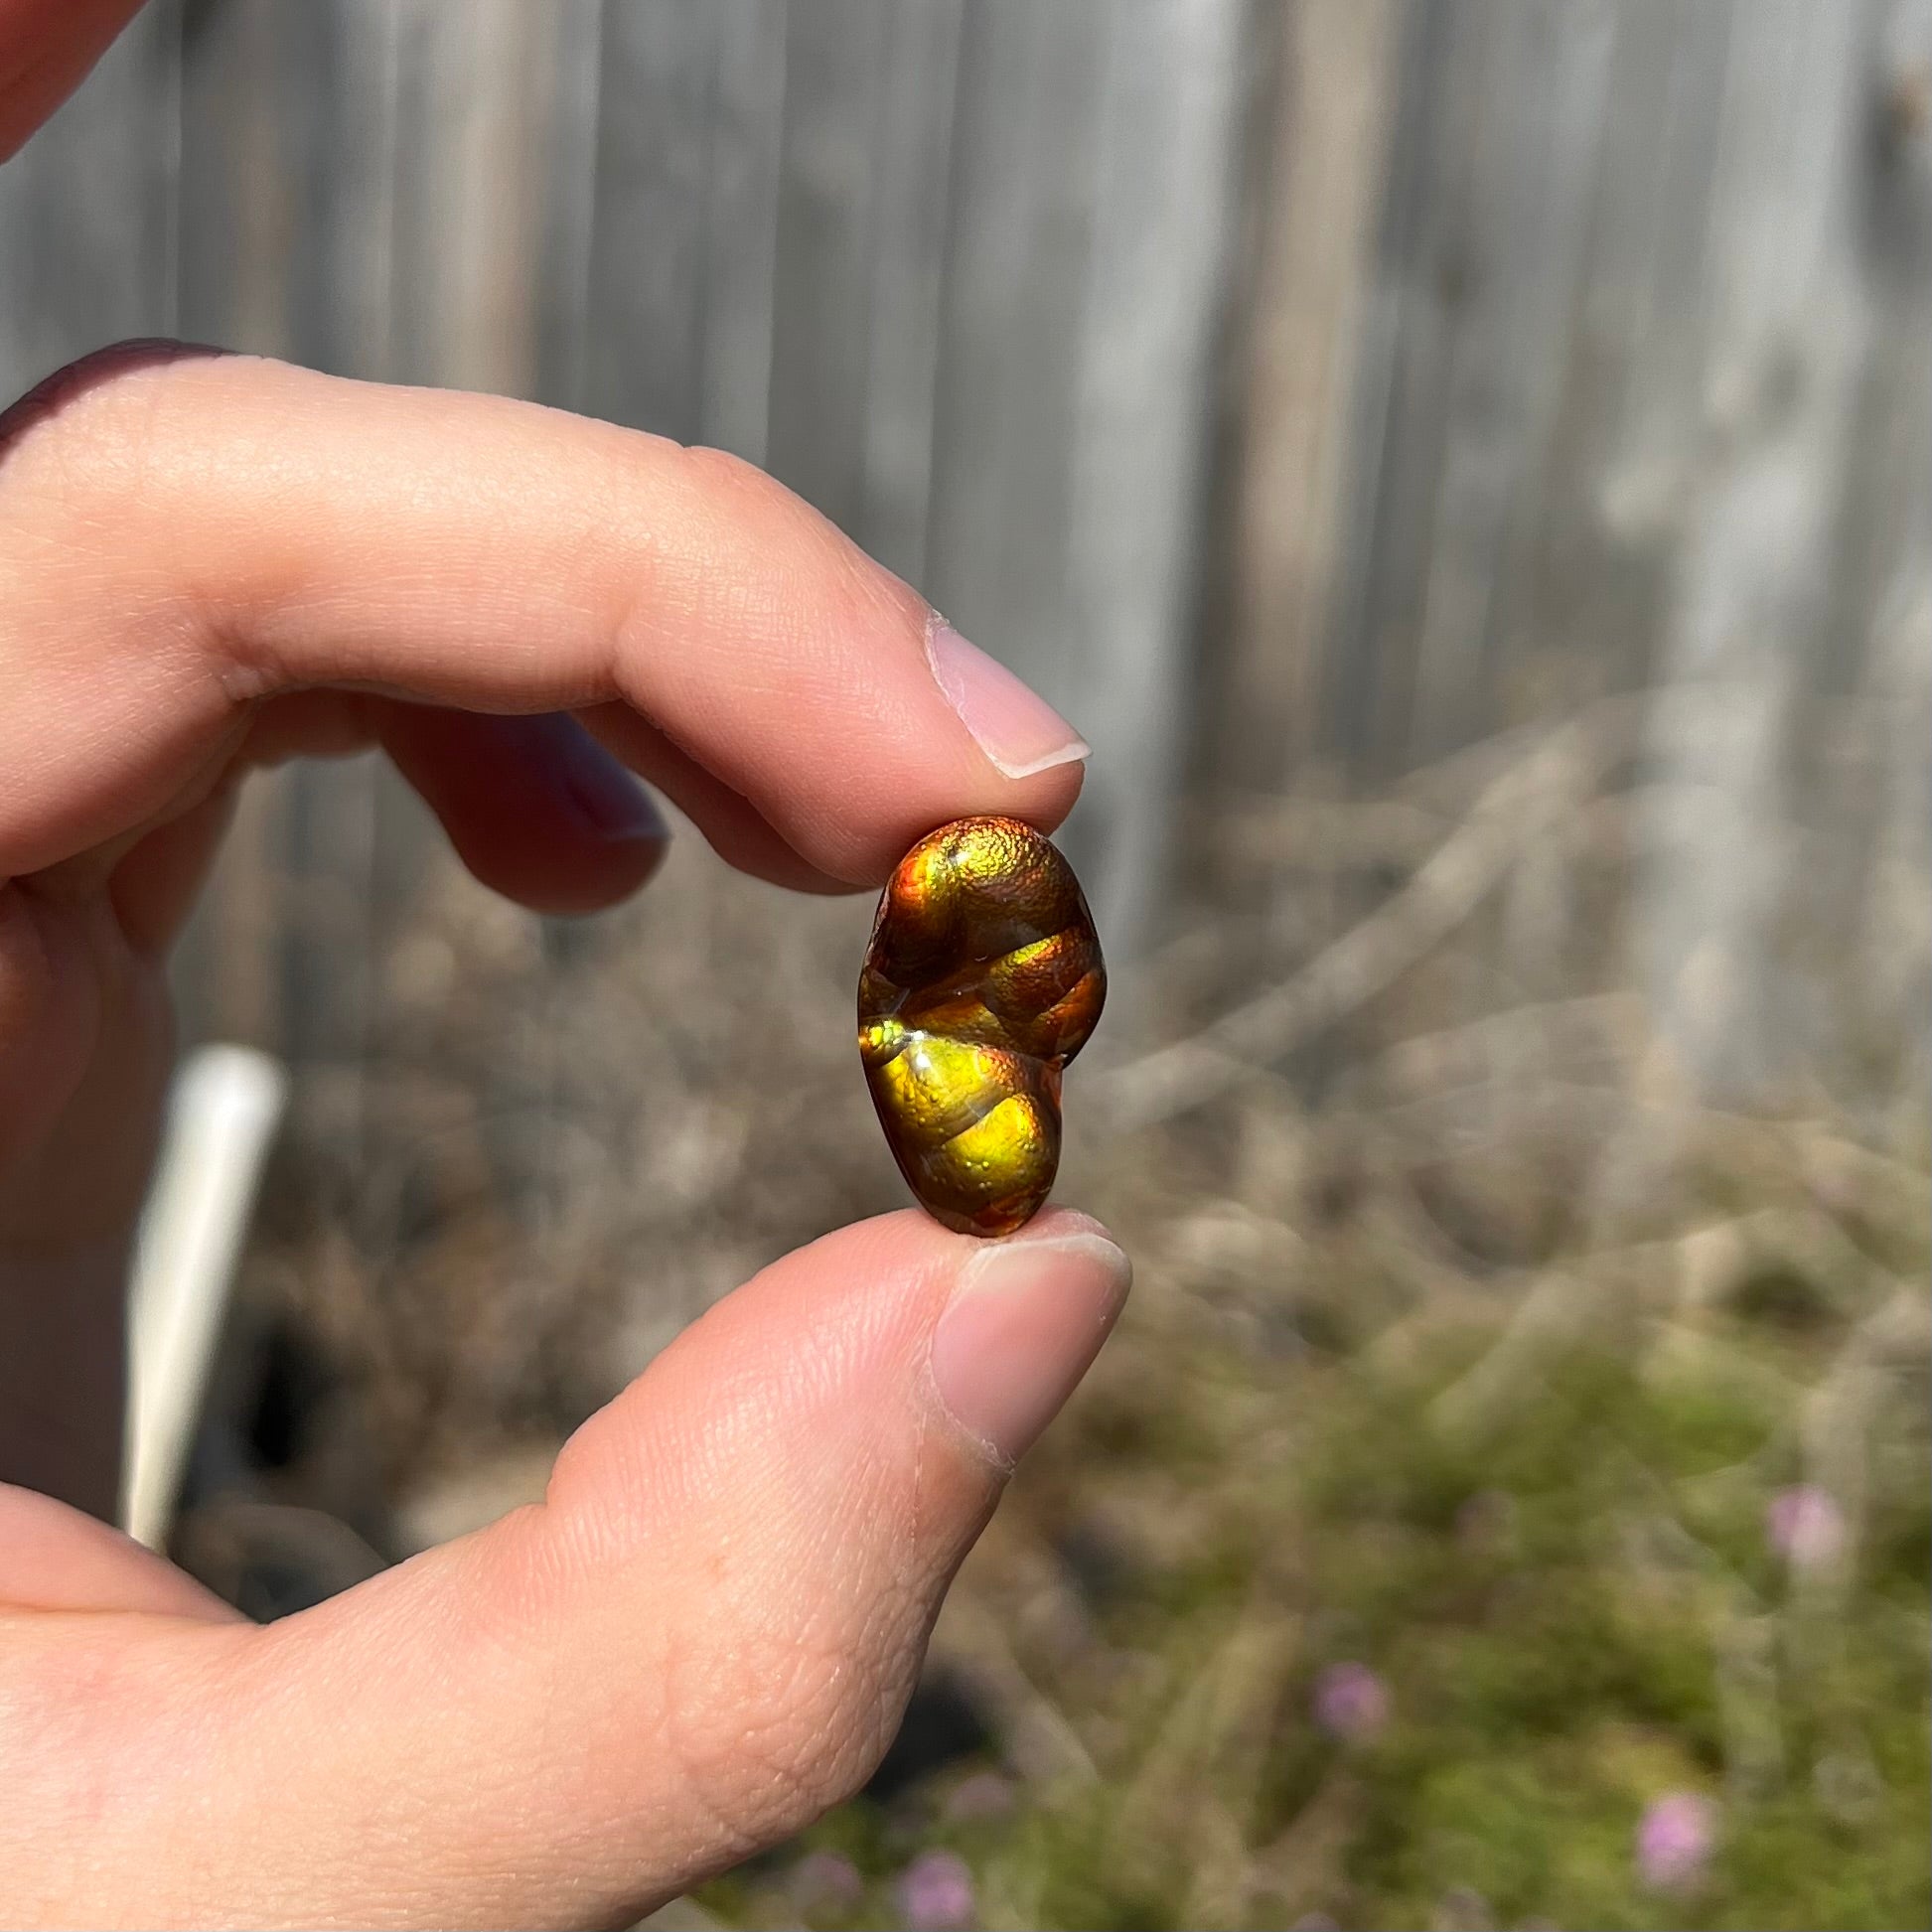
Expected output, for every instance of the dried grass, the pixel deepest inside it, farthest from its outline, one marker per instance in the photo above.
(1457, 1226)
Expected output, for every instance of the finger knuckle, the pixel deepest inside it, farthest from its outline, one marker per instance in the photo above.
(723, 476)
(814, 559)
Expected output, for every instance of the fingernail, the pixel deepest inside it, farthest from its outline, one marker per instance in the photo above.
(1017, 729)
(608, 799)
(1024, 1324)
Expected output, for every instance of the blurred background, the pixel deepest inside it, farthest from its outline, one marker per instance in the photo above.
(1466, 467)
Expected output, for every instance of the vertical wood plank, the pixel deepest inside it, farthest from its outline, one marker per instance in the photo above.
(474, 90)
(741, 226)
(1421, 277)
(1148, 333)
(681, 259)
(1595, 585)
(1882, 556)
(1788, 327)
(561, 298)
(912, 165)
(1304, 308)
(1521, 250)
(653, 152)
(835, 74)
(1024, 182)
(239, 187)
(858, 254)
(1876, 637)
(335, 86)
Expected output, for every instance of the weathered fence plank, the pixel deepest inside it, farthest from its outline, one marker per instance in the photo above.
(912, 159)
(653, 146)
(1788, 327)
(1304, 319)
(1518, 259)
(741, 226)
(1593, 590)
(1147, 342)
(829, 194)
(1025, 157)
(1404, 378)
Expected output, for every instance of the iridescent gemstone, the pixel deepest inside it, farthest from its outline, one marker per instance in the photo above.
(982, 980)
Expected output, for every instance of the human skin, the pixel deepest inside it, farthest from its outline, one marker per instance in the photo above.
(706, 1633)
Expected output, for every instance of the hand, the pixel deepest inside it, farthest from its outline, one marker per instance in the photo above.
(707, 1632)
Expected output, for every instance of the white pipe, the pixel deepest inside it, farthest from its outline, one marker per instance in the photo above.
(222, 1113)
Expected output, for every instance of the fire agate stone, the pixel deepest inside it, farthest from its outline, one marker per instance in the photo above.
(982, 980)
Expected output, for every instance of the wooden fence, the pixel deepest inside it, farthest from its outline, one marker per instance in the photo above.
(1287, 390)
(1585, 350)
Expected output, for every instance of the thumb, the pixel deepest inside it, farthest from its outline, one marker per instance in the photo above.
(702, 1638)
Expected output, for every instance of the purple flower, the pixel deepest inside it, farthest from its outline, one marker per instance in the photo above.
(823, 1882)
(1674, 1840)
(936, 1893)
(1805, 1525)
(1351, 1702)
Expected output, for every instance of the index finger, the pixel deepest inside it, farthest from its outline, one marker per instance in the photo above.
(184, 538)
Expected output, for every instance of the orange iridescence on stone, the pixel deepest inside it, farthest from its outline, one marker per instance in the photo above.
(982, 980)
